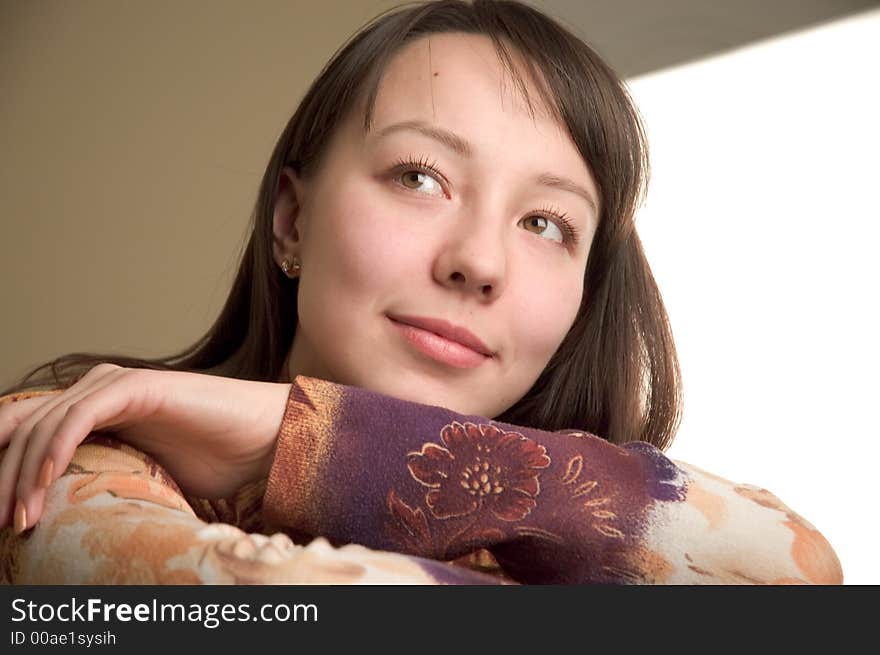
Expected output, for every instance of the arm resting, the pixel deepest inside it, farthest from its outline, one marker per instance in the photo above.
(116, 517)
(552, 507)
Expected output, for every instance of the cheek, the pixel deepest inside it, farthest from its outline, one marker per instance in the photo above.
(357, 254)
(547, 309)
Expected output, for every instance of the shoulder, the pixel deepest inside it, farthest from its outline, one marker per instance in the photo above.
(792, 550)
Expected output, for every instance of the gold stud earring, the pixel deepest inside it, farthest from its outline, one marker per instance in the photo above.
(291, 270)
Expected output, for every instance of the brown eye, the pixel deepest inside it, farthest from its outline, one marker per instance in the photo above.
(542, 226)
(413, 179)
(421, 182)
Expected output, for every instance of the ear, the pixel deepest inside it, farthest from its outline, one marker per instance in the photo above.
(287, 222)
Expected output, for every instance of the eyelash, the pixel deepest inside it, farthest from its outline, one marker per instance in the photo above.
(570, 232)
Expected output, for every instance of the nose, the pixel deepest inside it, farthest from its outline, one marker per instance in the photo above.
(473, 260)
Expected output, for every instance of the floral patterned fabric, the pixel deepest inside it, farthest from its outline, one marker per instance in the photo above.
(550, 507)
(371, 489)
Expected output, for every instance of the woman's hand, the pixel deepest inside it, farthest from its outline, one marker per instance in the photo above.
(211, 434)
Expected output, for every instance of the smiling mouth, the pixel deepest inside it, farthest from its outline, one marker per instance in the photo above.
(438, 347)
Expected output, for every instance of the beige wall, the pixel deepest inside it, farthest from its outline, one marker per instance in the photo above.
(134, 137)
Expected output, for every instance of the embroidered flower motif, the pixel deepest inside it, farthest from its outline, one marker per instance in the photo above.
(481, 465)
(407, 526)
(572, 474)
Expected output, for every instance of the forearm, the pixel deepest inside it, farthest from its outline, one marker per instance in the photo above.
(563, 507)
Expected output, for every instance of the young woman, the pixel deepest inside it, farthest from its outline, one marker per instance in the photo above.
(444, 343)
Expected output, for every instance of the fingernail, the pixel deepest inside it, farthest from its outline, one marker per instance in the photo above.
(46, 473)
(20, 517)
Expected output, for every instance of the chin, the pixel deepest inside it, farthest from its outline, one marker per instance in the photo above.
(417, 391)
(421, 387)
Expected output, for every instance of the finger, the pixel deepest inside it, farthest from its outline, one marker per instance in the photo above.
(10, 467)
(11, 464)
(34, 509)
(39, 409)
(107, 406)
(43, 439)
(107, 403)
(12, 414)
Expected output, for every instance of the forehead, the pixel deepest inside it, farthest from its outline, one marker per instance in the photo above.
(441, 73)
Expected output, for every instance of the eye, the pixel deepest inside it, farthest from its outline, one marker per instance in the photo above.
(416, 179)
(420, 176)
(544, 227)
(556, 226)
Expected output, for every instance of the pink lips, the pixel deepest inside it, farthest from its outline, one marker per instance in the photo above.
(443, 341)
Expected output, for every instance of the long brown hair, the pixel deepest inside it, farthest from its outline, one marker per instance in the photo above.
(616, 373)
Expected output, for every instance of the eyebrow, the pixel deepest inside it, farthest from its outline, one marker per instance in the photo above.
(464, 148)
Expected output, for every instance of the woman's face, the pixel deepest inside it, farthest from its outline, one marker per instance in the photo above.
(440, 219)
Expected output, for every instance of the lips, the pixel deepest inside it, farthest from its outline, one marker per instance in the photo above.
(446, 330)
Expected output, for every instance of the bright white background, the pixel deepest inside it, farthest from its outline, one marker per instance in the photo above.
(761, 227)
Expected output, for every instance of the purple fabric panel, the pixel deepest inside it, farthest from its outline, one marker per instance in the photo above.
(553, 507)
